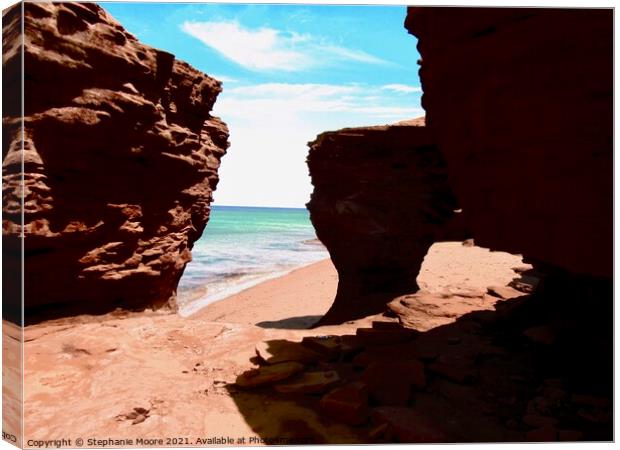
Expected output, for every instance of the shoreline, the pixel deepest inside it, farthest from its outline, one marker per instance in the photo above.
(201, 301)
(297, 298)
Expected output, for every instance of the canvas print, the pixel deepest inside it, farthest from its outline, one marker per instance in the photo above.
(302, 224)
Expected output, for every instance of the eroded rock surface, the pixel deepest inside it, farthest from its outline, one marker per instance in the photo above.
(381, 199)
(120, 161)
(521, 109)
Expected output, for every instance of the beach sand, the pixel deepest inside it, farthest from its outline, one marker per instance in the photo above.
(295, 300)
(299, 298)
(83, 374)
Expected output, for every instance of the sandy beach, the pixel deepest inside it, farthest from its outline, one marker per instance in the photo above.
(295, 300)
(182, 370)
(86, 376)
(299, 298)
(271, 237)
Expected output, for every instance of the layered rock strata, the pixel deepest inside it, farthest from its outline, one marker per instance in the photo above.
(120, 157)
(520, 105)
(380, 200)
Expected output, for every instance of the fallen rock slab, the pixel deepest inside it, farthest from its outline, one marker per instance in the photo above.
(377, 336)
(328, 346)
(503, 292)
(280, 350)
(350, 345)
(424, 311)
(347, 404)
(523, 286)
(268, 374)
(386, 354)
(309, 383)
(522, 268)
(384, 325)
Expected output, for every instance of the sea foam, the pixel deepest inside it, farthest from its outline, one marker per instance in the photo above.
(242, 247)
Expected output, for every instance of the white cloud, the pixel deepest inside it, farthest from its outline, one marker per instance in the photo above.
(402, 88)
(265, 49)
(298, 99)
(270, 125)
(348, 53)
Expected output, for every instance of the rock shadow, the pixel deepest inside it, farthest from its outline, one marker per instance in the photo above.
(537, 368)
(291, 323)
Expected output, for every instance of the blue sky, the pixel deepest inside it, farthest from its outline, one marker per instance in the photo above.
(289, 72)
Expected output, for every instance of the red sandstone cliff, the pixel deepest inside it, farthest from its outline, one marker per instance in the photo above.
(380, 200)
(519, 106)
(519, 102)
(120, 161)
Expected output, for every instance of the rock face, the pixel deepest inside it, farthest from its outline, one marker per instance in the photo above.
(120, 157)
(380, 200)
(520, 106)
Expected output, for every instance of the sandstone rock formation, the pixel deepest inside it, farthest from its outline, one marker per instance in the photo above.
(120, 157)
(519, 102)
(519, 107)
(380, 200)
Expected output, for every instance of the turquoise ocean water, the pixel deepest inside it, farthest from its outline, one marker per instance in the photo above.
(243, 246)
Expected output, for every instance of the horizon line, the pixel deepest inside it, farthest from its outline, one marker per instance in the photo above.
(261, 206)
